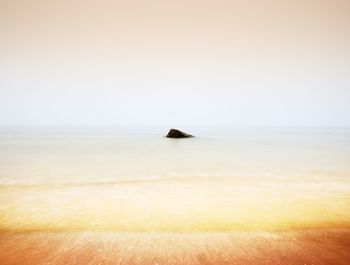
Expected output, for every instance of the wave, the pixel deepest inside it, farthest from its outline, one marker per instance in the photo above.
(109, 182)
(263, 182)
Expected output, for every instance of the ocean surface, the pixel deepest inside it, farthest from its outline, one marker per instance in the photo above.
(138, 180)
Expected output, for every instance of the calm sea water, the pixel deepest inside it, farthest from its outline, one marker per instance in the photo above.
(140, 174)
(39, 158)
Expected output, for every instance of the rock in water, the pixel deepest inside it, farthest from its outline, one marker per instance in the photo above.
(174, 133)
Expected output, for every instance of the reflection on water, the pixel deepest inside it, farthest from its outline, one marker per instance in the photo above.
(239, 179)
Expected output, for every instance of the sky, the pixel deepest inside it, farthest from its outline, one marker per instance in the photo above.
(175, 63)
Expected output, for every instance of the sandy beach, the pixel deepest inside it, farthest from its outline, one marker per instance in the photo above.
(183, 132)
(305, 247)
(174, 222)
(251, 199)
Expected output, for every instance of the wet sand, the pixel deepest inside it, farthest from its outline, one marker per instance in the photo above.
(239, 199)
(297, 247)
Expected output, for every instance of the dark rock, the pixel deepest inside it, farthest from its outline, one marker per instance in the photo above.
(174, 133)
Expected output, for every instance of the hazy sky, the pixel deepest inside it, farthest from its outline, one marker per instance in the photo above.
(248, 62)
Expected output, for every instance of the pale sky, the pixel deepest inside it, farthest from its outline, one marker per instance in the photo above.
(227, 63)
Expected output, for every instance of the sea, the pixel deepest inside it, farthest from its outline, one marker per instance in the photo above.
(136, 179)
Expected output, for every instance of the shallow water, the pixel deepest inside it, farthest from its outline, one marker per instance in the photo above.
(221, 180)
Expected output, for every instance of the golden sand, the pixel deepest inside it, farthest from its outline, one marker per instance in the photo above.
(176, 222)
(303, 247)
